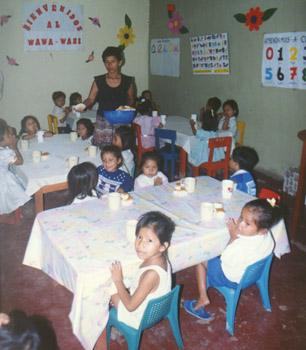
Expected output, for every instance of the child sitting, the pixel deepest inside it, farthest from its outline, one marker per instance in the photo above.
(110, 177)
(250, 241)
(12, 194)
(29, 128)
(60, 112)
(150, 176)
(200, 152)
(228, 121)
(242, 161)
(212, 103)
(82, 182)
(85, 129)
(147, 95)
(124, 138)
(153, 279)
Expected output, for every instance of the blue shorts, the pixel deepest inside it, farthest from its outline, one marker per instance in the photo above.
(216, 276)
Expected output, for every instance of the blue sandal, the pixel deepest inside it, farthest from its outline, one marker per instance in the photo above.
(201, 313)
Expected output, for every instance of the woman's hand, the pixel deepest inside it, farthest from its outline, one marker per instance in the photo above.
(116, 271)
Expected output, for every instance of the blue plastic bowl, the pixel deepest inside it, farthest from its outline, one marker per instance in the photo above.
(119, 117)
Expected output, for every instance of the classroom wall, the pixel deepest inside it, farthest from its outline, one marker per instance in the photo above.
(273, 115)
(29, 86)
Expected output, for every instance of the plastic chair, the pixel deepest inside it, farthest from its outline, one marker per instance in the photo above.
(157, 309)
(139, 146)
(240, 128)
(52, 121)
(268, 194)
(211, 166)
(257, 273)
(169, 152)
(13, 219)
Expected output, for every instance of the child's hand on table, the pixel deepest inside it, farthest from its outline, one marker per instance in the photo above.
(158, 181)
(116, 271)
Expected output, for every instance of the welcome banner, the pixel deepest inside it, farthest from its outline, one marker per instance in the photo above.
(52, 26)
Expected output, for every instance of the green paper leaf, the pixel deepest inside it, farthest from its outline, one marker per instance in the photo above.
(268, 14)
(90, 18)
(170, 14)
(121, 47)
(184, 30)
(128, 22)
(240, 17)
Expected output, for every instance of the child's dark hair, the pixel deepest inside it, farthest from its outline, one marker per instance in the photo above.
(233, 104)
(265, 215)
(3, 129)
(23, 123)
(82, 181)
(151, 155)
(160, 223)
(246, 157)
(88, 125)
(58, 94)
(146, 92)
(127, 136)
(214, 103)
(210, 121)
(144, 106)
(115, 150)
(112, 51)
(73, 98)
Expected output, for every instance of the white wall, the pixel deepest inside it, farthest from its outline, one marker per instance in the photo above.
(29, 86)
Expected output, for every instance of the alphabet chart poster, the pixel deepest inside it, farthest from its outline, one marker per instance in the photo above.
(165, 57)
(209, 54)
(284, 60)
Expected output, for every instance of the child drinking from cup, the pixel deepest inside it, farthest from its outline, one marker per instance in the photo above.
(29, 128)
(151, 176)
(85, 129)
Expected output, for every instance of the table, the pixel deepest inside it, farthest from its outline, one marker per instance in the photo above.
(55, 169)
(73, 119)
(76, 244)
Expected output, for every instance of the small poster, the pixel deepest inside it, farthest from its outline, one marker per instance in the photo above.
(165, 57)
(52, 26)
(284, 60)
(209, 54)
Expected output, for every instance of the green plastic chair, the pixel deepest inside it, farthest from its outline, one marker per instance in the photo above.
(157, 309)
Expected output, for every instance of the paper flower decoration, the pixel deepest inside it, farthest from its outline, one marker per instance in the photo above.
(95, 21)
(11, 61)
(126, 34)
(4, 19)
(175, 24)
(254, 18)
(91, 57)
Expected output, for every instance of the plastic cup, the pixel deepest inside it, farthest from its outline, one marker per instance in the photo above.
(40, 136)
(24, 145)
(36, 156)
(130, 229)
(72, 161)
(73, 136)
(194, 117)
(92, 151)
(154, 114)
(114, 200)
(227, 188)
(207, 211)
(163, 119)
(189, 184)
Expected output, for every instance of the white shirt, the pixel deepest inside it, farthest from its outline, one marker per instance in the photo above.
(59, 112)
(143, 181)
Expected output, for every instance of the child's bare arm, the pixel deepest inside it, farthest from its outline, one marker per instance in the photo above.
(28, 136)
(48, 134)
(232, 228)
(192, 123)
(13, 146)
(225, 124)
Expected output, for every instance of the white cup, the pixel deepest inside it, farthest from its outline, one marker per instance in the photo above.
(36, 156)
(189, 183)
(24, 145)
(130, 230)
(40, 135)
(207, 211)
(194, 117)
(163, 118)
(154, 114)
(72, 161)
(73, 136)
(227, 188)
(114, 200)
(92, 151)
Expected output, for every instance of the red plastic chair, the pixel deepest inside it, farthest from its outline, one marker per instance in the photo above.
(139, 146)
(211, 166)
(268, 194)
(13, 219)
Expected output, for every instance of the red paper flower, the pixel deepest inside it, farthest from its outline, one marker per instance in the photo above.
(254, 18)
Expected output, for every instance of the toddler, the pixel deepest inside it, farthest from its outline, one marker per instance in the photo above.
(153, 279)
(124, 138)
(12, 194)
(29, 127)
(85, 129)
(59, 99)
(212, 103)
(150, 176)
(110, 177)
(250, 241)
(147, 95)
(74, 99)
(242, 161)
(228, 121)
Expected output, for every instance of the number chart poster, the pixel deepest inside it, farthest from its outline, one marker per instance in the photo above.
(165, 57)
(52, 26)
(284, 60)
(209, 54)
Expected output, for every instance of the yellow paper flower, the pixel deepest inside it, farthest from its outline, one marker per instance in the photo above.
(126, 36)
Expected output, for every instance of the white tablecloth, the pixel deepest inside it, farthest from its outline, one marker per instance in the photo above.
(73, 119)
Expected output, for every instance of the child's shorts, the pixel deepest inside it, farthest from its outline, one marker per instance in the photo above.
(216, 276)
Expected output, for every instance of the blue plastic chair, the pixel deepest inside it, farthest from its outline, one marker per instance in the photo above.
(169, 152)
(257, 273)
(157, 309)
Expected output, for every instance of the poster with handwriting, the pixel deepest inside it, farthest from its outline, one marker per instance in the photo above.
(209, 54)
(284, 60)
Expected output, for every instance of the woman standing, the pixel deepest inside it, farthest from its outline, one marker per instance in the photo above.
(111, 90)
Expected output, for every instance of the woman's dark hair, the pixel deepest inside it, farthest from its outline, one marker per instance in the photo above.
(112, 51)
(210, 121)
(58, 94)
(88, 125)
(23, 123)
(160, 223)
(151, 155)
(3, 129)
(73, 97)
(214, 103)
(265, 215)
(246, 157)
(115, 150)
(233, 104)
(127, 136)
(144, 106)
(82, 181)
